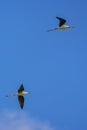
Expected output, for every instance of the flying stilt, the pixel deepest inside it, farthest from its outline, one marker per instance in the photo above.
(61, 25)
(20, 95)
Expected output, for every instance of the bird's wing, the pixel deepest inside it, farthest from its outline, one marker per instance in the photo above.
(21, 101)
(21, 88)
(62, 21)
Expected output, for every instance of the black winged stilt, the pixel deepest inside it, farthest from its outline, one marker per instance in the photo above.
(20, 95)
(61, 25)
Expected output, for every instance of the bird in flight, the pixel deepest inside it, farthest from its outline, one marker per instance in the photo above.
(61, 25)
(20, 95)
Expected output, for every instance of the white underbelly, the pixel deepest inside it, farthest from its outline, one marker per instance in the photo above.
(22, 93)
(64, 27)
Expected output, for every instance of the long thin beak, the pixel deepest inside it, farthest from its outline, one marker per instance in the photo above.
(72, 26)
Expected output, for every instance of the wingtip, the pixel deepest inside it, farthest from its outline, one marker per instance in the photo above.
(57, 17)
(21, 108)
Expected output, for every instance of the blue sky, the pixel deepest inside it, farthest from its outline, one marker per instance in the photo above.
(53, 66)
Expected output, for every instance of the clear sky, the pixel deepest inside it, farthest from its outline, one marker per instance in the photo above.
(52, 66)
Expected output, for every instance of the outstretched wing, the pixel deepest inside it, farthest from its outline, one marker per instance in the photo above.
(62, 21)
(21, 88)
(21, 101)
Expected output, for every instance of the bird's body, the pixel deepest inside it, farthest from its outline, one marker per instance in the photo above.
(20, 95)
(61, 25)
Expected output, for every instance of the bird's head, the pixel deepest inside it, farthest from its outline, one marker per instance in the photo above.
(28, 92)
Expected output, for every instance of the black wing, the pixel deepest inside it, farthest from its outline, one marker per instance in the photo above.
(62, 21)
(21, 101)
(21, 88)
